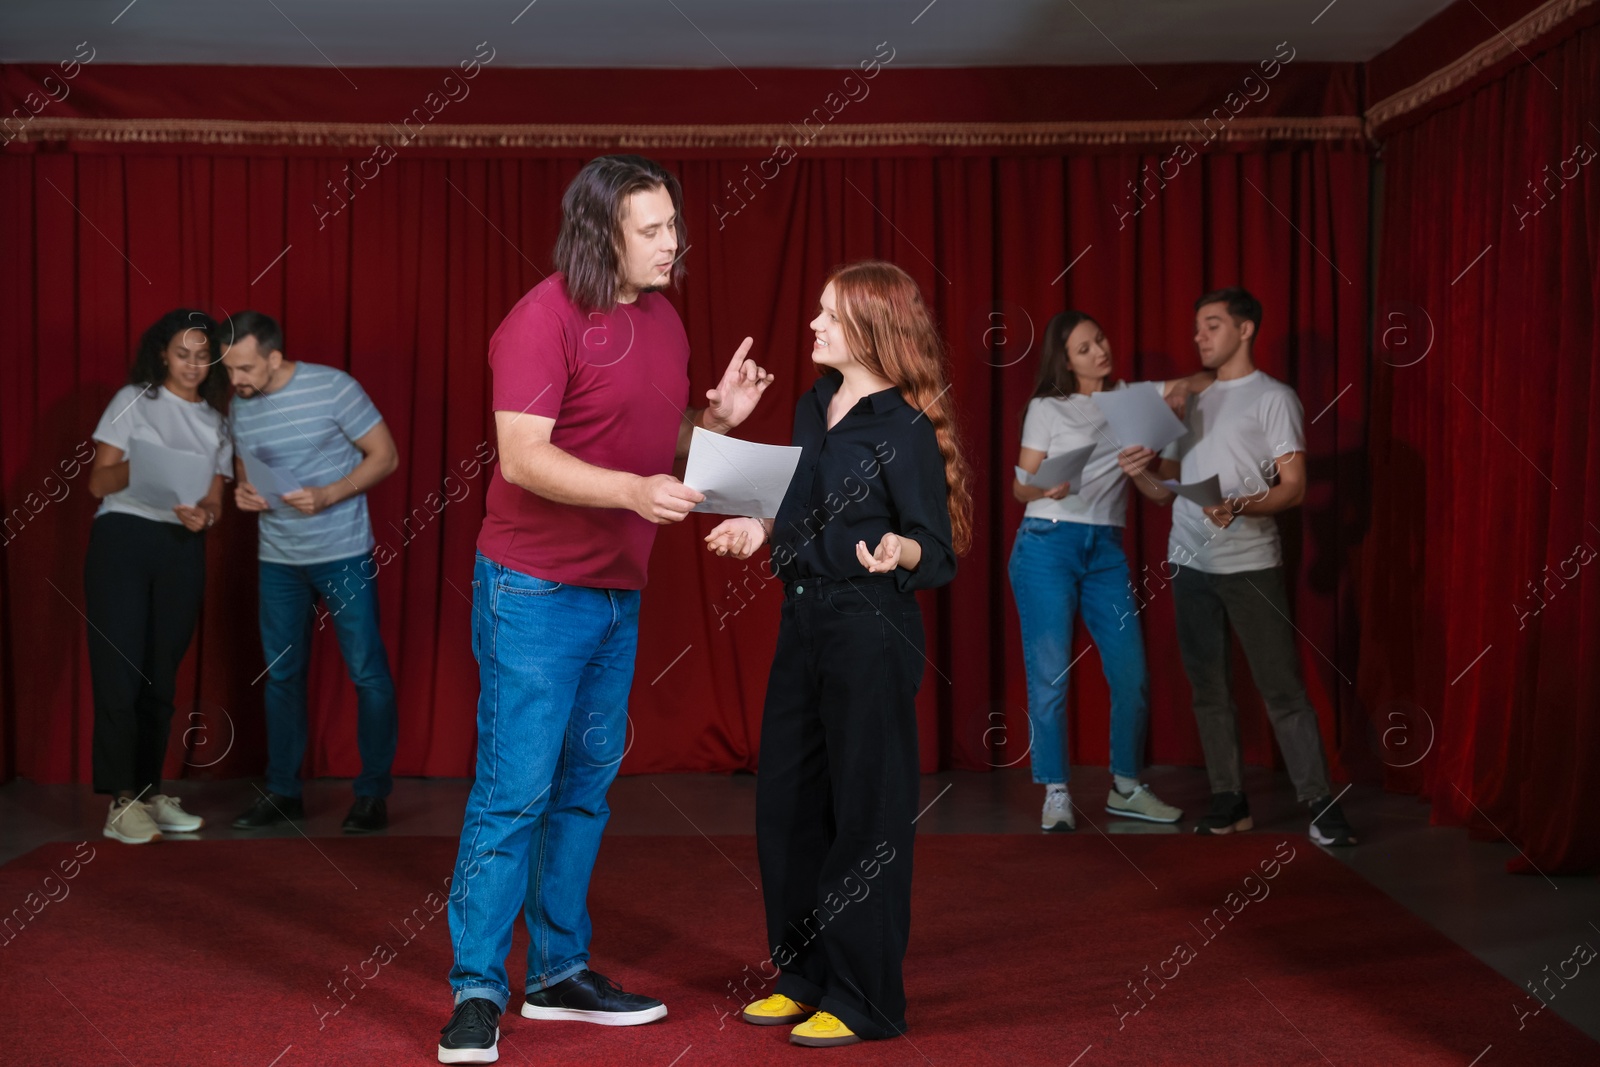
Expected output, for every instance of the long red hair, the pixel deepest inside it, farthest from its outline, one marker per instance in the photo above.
(891, 332)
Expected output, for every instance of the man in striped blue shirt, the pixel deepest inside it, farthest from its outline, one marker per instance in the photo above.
(315, 436)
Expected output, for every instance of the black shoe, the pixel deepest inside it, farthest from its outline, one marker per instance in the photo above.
(473, 1032)
(1328, 825)
(270, 810)
(1230, 812)
(591, 997)
(366, 815)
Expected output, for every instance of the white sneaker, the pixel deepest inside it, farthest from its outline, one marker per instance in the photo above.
(169, 815)
(1058, 811)
(129, 821)
(1141, 804)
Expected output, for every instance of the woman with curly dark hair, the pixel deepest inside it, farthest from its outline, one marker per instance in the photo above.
(144, 577)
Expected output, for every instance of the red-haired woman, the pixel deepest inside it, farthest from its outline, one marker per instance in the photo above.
(879, 507)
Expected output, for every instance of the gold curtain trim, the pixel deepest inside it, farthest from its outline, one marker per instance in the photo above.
(757, 136)
(1496, 49)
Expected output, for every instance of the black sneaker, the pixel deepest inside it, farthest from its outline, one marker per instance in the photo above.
(472, 1034)
(1328, 825)
(1230, 812)
(366, 815)
(591, 997)
(269, 810)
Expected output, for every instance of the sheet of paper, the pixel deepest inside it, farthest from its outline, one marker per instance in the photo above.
(1064, 467)
(739, 477)
(268, 480)
(1138, 416)
(1208, 494)
(166, 477)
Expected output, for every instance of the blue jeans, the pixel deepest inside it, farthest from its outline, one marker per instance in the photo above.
(555, 664)
(350, 600)
(1059, 569)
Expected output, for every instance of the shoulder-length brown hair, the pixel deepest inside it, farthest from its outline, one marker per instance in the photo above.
(890, 330)
(589, 248)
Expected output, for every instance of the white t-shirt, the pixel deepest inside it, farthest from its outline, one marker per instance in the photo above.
(1237, 429)
(161, 416)
(1054, 425)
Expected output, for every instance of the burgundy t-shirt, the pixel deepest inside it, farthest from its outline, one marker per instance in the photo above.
(617, 386)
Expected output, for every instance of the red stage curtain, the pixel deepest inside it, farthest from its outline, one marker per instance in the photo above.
(1481, 618)
(404, 286)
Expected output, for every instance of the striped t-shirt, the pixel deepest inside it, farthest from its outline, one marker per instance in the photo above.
(307, 429)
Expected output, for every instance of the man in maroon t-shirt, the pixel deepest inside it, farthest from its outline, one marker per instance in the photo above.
(591, 393)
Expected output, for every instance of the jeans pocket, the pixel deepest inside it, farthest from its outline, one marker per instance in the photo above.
(519, 584)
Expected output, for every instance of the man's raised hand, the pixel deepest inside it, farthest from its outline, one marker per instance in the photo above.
(735, 396)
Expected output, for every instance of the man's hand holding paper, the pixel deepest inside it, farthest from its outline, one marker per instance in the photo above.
(739, 477)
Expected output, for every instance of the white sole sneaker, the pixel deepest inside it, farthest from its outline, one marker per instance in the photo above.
(168, 815)
(126, 839)
(1057, 818)
(1142, 804)
(600, 1018)
(130, 823)
(471, 1055)
(1325, 841)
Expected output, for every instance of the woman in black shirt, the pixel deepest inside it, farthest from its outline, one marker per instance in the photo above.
(879, 507)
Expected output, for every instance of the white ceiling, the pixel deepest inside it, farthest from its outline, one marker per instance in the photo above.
(745, 34)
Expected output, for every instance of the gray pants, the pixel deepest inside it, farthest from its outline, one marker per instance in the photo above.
(1255, 603)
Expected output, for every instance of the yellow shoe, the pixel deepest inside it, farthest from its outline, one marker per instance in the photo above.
(821, 1031)
(776, 1010)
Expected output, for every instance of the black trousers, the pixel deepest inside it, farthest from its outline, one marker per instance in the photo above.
(836, 795)
(144, 582)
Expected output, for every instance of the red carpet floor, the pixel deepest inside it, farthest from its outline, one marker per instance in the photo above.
(1023, 951)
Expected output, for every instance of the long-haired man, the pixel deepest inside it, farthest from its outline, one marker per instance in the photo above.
(591, 395)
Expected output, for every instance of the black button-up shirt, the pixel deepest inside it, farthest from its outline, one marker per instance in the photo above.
(877, 471)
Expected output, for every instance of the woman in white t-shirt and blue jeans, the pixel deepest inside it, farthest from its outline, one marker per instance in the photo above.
(1068, 560)
(144, 577)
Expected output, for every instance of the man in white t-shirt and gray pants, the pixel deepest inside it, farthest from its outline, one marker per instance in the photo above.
(1246, 429)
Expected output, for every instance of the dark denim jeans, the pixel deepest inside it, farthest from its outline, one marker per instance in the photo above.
(555, 664)
(288, 599)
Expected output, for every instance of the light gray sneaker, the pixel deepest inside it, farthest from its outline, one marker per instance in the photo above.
(1141, 804)
(129, 821)
(1058, 812)
(169, 815)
